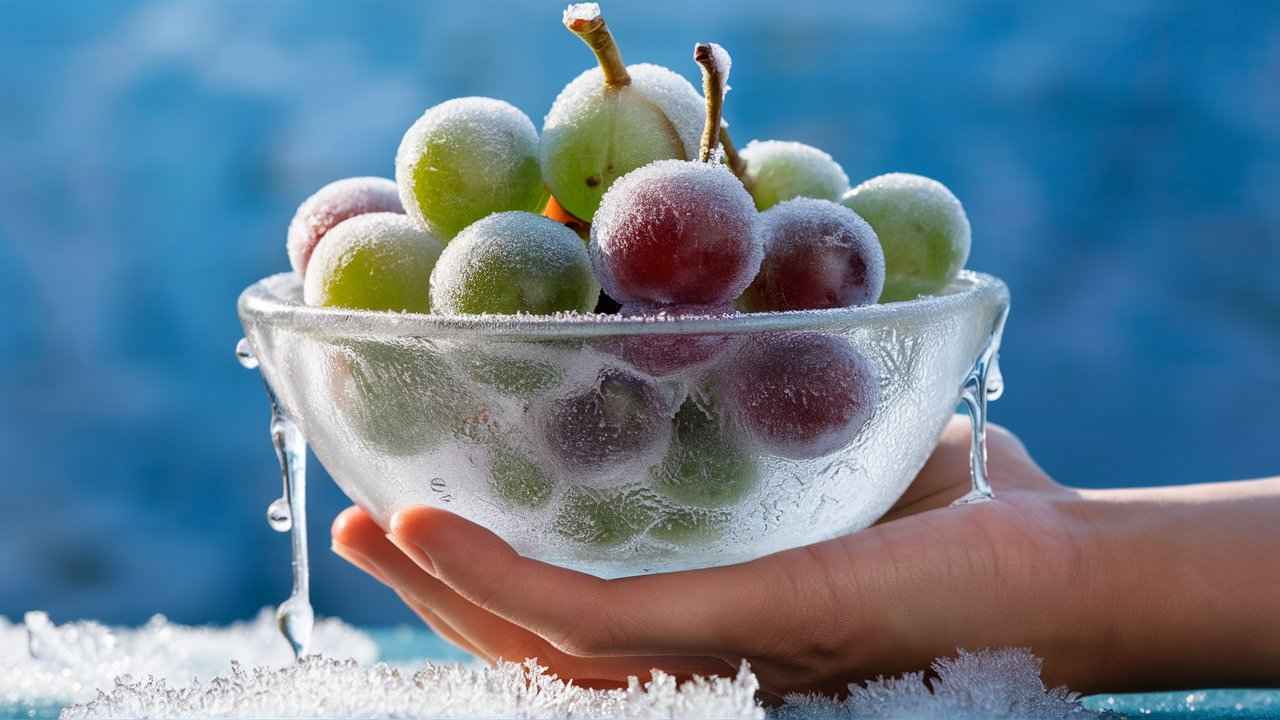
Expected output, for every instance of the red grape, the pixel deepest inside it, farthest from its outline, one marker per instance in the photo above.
(817, 255)
(676, 232)
(619, 418)
(661, 355)
(332, 204)
(801, 395)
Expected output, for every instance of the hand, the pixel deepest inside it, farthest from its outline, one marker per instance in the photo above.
(1042, 566)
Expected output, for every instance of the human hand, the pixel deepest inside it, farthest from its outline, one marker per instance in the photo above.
(1042, 566)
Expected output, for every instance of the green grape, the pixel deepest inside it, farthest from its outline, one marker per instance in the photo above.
(605, 517)
(511, 373)
(376, 261)
(517, 479)
(778, 170)
(707, 465)
(467, 158)
(613, 119)
(922, 228)
(690, 526)
(392, 395)
(514, 262)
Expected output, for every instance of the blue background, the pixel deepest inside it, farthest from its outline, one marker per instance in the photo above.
(1120, 162)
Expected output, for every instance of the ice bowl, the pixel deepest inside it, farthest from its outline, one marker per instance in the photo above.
(619, 446)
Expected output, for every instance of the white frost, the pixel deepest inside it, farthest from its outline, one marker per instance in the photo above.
(585, 12)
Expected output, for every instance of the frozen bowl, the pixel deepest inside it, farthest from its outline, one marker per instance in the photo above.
(619, 446)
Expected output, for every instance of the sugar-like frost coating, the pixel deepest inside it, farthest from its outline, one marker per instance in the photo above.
(676, 232)
(779, 170)
(465, 159)
(581, 12)
(663, 355)
(595, 134)
(818, 254)
(514, 262)
(922, 227)
(330, 205)
(376, 261)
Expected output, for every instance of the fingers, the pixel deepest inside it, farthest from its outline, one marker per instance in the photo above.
(701, 612)
(479, 631)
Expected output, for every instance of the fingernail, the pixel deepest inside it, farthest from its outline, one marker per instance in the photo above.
(415, 553)
(359, 560)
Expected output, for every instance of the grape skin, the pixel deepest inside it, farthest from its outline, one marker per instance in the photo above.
(376, 261)
(330, 205)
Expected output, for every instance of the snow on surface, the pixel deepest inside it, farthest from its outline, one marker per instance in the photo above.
(164, 670)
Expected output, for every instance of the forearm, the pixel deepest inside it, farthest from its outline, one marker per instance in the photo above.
(1188, 583)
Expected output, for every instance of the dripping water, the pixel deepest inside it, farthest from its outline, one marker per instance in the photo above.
(288, 513)
(983, 383)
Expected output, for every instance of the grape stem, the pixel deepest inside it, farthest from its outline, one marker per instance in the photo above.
(713, 92)
(595, 33)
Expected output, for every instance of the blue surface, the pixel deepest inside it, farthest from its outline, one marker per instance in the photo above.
(1120, 161)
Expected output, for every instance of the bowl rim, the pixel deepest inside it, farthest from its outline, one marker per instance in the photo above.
(267, 301)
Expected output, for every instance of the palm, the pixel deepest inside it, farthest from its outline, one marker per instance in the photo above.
(887, 599)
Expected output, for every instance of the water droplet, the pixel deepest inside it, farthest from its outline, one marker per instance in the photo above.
(995, 380)
(278, 515)
(296, 620)
(244, 353)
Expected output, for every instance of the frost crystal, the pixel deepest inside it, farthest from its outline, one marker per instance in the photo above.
(581, 12)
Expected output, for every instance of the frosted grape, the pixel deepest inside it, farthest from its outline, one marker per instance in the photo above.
(690, 526)
(518, 372)
(801, 395)
(619, 418)
(467, 158)
(817, 255)
(708, 465)
(778, 170)
(332, 204)
(922, 227)
(663, 355)
(676, 232)
(605, 517)
(514, 262)
(517, 479)
(377, 261)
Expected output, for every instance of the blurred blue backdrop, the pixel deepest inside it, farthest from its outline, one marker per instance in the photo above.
(1120, 162)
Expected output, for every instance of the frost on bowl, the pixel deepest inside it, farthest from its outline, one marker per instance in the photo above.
(755, 433)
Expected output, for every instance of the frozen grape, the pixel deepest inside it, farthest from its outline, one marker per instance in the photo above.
(517, 479)
(605, 517)
(378, 392)
(613, 119)
(707, 466)
(801, 395)
(520, 372)
(332, 204)
(377, 261)
(676, 232)
(620, 417)
(690, 526)
(778, 170)
(922, 227)
(514, 262)
(467, 158)
(817, 254)
(663, 355)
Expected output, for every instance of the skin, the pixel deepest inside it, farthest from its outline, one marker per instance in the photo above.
(1146, 588)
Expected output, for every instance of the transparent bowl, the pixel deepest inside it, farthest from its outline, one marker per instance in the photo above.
(621, 446)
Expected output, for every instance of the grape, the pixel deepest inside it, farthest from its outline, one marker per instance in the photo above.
(605, 517)
(514, 262)
(676, 232)
(467, 158)
(801, 395)
(376, 261)
(817, 255)
(619, 418)
(663, 355)
(778, 170)
(518, 479)
(707, 466)
(332, 204)
(613, 119)
(922, 227)
(522, 375)
(690, 526)
(379, 388)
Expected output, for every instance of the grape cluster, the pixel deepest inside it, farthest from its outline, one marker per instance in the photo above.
(633, 200)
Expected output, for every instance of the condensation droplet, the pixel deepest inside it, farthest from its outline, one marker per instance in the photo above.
(278, 515)
(244, 353)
